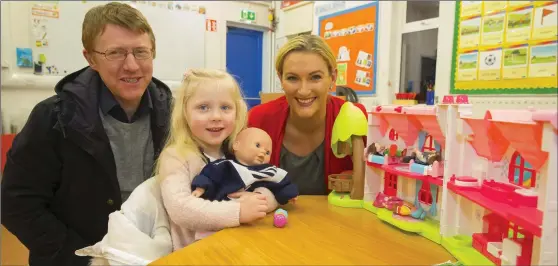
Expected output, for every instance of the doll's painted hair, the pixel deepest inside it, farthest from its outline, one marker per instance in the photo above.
(180, 135)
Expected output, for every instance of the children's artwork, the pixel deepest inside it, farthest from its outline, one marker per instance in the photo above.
(471, 8)
(24, 57)
(543, 61)
(509, 48)
(545, 22)
(490, 64)
(514, 3)
(341, 74)
(39, 29)
(470, 32)
(492, 6)
(364, 59)
(519, 25)
(468, 66)
(363, 78)
(493, 28)
(344, 54)
(515, 62)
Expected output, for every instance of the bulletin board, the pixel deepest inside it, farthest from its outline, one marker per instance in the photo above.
(55, 30)
(505, 47)
(352, 35)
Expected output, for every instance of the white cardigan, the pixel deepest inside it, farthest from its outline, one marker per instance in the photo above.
(137, 234)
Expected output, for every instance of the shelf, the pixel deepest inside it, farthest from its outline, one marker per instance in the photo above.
(398, 169)
(529, 218)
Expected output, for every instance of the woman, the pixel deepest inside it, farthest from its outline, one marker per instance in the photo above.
(300, 123)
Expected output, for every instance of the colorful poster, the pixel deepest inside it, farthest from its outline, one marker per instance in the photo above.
(471, 8)
(545, 22)
(515, 62)
(543, 61)
(519, 25)
(467, 69)
(513, 3)
(491, 6)
(470, 32)
(363, 78)
(352, 35)
(364, 59)
(341, 74)
(493, 28)
(490, 64)
(285, 4)
(24, 57)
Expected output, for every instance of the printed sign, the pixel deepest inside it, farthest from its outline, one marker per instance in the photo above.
(211, 25)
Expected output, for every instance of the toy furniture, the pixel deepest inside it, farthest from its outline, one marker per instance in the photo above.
(490, 200)
(318, 234)
(349, 129)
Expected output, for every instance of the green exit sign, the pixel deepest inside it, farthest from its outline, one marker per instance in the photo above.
(248, 15)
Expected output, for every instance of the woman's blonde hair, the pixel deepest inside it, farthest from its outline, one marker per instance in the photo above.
(180, 135)
(306, 43)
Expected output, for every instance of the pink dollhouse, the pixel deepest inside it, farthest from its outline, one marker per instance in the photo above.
(491, 200)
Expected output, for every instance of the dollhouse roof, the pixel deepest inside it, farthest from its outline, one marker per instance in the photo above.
(407, 126)
(503, 128)
(426, 115)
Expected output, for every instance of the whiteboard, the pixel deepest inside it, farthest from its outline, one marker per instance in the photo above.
(179, 35)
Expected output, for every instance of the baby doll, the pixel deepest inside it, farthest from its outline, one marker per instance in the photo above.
(424, 158)
(249, 170)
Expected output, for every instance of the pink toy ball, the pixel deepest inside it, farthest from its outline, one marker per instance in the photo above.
(280, 218)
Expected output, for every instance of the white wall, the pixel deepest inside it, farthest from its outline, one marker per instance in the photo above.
(17, 102)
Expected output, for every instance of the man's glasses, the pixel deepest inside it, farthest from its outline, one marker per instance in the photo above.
(121, 54)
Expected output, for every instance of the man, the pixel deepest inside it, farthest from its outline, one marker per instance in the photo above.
(84, 150)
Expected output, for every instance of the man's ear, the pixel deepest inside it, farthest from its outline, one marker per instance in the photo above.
(89, 57)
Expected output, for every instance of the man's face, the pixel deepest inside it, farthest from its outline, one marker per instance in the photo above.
(127, 79)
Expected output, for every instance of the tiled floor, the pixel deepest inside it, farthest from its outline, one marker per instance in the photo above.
(12, 251)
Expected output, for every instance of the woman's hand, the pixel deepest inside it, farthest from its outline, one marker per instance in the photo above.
(253, 206)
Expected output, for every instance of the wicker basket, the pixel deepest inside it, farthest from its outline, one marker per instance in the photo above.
(340, 182)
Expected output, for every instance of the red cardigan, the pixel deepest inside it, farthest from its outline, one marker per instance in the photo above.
(272, 118)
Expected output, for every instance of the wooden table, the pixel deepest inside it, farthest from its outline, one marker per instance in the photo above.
(317, 233)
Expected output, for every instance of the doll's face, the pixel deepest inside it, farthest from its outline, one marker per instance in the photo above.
(379, 147)
(252, 147)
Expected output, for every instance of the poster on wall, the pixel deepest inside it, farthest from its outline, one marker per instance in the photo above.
(352, 35)
(505, 47)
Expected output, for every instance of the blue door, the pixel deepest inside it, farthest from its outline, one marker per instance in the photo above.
(244, 61)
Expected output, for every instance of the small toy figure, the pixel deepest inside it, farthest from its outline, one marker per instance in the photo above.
(424, 158)
(280, 218)
(249, 170)
(376, 149)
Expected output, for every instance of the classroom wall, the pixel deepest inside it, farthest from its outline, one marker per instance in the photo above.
(18, 101)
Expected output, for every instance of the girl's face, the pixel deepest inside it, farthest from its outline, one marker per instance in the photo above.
(211, 114)
(306, 81)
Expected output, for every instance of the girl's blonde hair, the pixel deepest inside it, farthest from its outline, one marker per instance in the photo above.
(306, 43)
(180, 135)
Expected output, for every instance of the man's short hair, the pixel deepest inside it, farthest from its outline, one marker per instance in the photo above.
(119, 14)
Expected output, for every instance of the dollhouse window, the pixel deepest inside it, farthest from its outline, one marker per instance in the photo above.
(514, 232)
(521, 172)
(425, 196)
(428, 144)
(393, 136)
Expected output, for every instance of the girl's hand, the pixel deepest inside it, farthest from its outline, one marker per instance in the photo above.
(253, 206)
(241, 194)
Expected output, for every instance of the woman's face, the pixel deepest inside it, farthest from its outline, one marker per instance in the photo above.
(306, 82)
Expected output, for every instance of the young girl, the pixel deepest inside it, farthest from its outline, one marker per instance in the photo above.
(208, 114)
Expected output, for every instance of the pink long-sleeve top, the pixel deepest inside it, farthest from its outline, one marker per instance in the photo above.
(187, 213)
